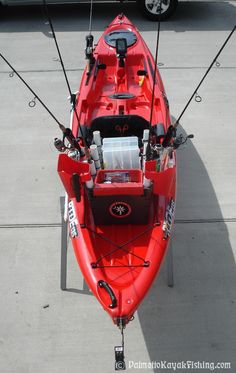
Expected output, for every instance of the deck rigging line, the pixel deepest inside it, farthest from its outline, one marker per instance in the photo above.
(121, 247)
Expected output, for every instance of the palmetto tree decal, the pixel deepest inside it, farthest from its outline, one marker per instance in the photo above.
(120, 209)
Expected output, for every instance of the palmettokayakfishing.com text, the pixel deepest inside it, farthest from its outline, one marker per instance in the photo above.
(180, 365)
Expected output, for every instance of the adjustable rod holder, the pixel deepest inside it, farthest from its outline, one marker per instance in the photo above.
(89, 49)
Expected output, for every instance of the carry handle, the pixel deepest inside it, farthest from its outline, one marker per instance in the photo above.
(104, 284)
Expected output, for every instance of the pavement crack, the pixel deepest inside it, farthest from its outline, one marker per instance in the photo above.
(58, 225)
(82, 69)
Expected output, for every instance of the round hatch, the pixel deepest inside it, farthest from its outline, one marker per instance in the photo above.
(111, 38)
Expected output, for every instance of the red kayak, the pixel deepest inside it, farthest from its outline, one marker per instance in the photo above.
(118, 168)
(121, 183)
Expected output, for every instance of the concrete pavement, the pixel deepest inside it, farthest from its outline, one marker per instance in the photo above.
(43, 329)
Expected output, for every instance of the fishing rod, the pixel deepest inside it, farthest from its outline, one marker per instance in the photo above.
(171, 133)
(72, 95)
(57, 47)
(67, 133)
(155, 69)
(90, 17)
(148, 150)
(89, 43)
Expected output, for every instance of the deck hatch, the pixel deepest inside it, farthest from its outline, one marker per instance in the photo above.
(111, 37)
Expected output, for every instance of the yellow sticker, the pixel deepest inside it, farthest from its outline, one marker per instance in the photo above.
(141, 81)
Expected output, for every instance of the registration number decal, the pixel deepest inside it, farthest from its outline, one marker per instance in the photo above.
(73, 222)
(169, 217)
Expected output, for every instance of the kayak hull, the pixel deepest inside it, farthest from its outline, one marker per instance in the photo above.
(120, 231)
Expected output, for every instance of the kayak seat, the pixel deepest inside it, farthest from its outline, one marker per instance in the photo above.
(121, 209)
(119, 126)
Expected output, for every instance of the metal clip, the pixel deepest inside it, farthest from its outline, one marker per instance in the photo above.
(198, 98)
(11, 74)
(32, 103)
(217, 64)
(160, 64)
(56, 59)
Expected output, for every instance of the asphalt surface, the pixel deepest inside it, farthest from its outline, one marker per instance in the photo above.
(43, 329)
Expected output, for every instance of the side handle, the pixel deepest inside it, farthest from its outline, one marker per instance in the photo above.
(104, 284)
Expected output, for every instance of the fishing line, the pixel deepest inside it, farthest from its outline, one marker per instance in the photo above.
(171, 132)
(72, 96)
(155, 69)
(67, 133)
(31, 90)
(57, 46)
(195, 94)
(89, 46)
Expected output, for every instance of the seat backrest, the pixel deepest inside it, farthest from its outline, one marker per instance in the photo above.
(119, 125)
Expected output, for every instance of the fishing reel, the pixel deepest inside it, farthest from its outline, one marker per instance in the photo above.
(153, 151)
(73, 146)
(63, 148)
(169, 143)
(171, 138)
(181, 139)
(89, 49)
(60, 145)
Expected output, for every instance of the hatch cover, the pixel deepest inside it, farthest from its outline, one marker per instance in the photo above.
(111, 38)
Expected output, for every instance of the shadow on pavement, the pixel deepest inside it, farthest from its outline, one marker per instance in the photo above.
(194, 320)
(190, 16)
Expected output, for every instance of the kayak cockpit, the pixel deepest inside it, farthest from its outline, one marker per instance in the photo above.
(119, 185)
(119, 126)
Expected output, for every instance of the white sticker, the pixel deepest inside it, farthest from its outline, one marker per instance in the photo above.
(169, 216)
(73, 222)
